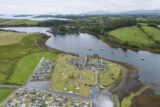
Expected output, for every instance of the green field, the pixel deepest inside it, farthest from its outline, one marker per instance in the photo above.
(11, 54)
(154, 32)
(4, 92)
(16, 22)
(133, 35)
(26, 65)
(68, 76)
(143, 24)
(110, 73)
(2, 20)
(7, 38)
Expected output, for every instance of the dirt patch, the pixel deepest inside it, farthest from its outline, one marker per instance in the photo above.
(148, 98)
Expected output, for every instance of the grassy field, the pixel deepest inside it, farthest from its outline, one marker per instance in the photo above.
(143, 24)
(26, 65)
(11, 54)
(133, 35)
(7, 38)
(154, 32)
(15, 22)
(68, 76)
(4, 92)
(3, 20)
(110, 74)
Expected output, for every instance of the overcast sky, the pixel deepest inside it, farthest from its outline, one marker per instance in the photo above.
(73, 6)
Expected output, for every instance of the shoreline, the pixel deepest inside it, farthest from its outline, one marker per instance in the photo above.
(130, 70)
(102, 38)
(111, 43)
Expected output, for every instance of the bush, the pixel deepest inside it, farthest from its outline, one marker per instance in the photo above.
(126, 43)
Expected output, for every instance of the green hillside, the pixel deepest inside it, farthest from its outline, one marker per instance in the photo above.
(133, 35)
(154, 32)
(16, 22)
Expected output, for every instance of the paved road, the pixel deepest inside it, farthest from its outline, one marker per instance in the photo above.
(43, 86)
(10, 86)
(95, 89)
(70, 95)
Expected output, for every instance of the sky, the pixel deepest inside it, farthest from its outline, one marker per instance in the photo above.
(74, 6)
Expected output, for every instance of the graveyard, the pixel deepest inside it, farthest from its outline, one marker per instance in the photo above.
(76, 75)
(35, 98)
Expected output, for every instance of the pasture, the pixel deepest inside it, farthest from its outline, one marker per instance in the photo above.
(11, 58)
(7, 38)
(17, 22)
(26, 65)
(154, 32)
(133, 35)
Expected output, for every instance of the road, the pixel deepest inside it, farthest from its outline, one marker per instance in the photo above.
(44, 86)
(70, 95)
(95, 88)
(10, 86)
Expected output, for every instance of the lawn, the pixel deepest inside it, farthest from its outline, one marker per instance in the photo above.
(67, 77)
(4, 92)
(110, 73)
(15, 22)
(133, 35)
(26, 65)
(152, 31)
(11, 54)
(7, 38)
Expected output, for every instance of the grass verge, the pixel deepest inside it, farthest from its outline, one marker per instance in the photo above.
(4, 92)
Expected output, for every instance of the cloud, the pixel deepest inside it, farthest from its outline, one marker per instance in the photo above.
(73, 6)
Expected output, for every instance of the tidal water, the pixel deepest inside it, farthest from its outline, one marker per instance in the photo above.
(81, 43)
(149, 68)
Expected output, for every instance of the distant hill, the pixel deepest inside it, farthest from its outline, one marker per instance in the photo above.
(125, 13)
(44, 16)
(22, 15)
(142, 12)
(97, 13)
